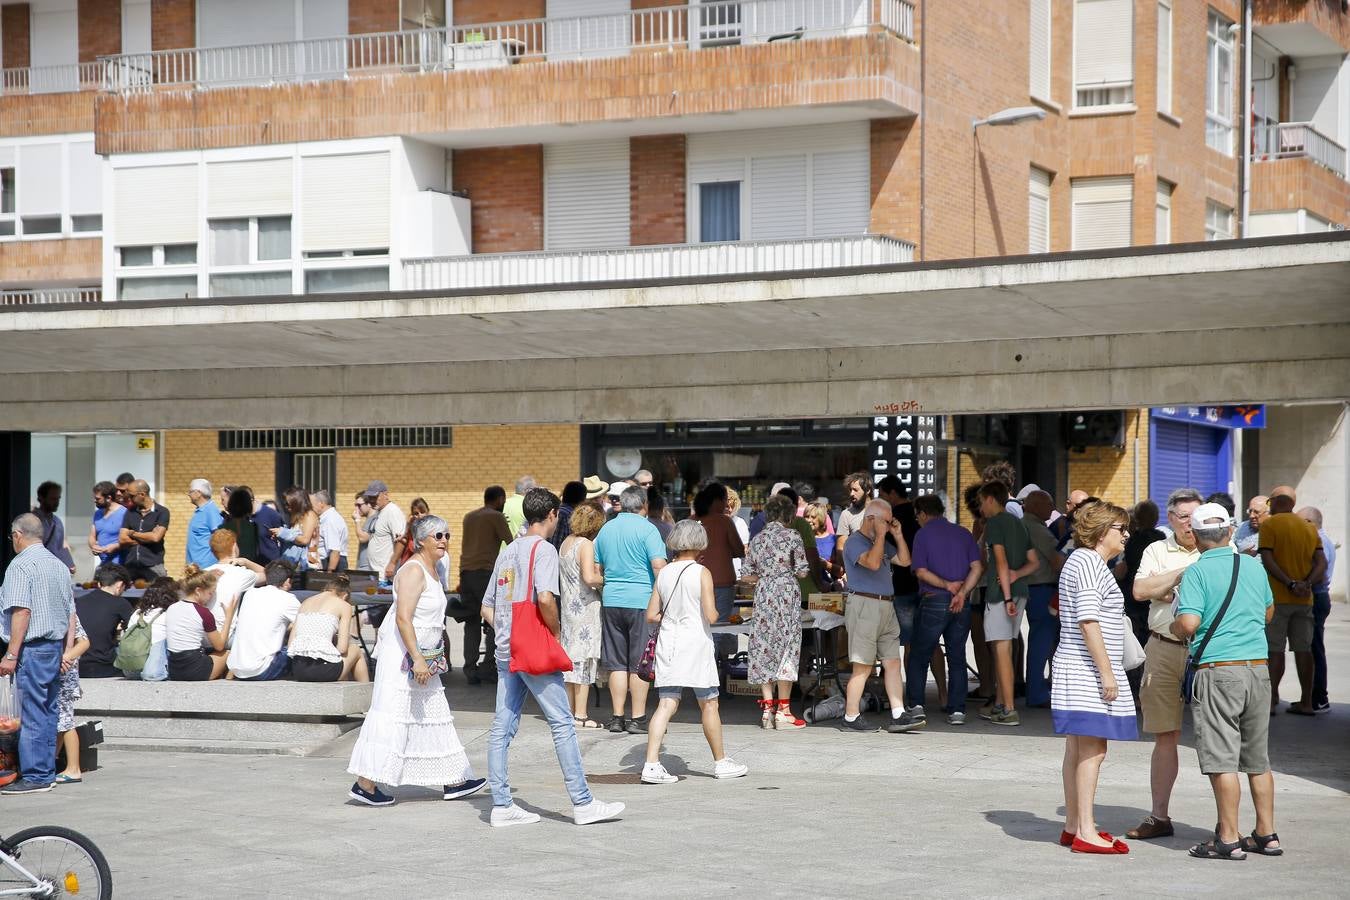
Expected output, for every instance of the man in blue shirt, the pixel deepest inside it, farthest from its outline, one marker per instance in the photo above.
(205, 520)
(1231, 709)
(629, 552)
(108, 516)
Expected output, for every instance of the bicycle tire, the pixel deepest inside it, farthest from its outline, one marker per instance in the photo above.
(15, 843)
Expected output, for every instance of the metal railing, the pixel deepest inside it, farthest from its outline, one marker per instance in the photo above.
(497, 44)
(546, 267)
(86, 76)
(1284, 140)
(43, 296)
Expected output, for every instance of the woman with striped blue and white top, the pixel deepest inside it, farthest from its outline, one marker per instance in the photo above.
(1090, 698)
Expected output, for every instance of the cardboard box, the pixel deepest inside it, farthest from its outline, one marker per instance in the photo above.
(833, 602)
(742, 688)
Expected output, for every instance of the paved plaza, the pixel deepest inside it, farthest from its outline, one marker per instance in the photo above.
(971, 811)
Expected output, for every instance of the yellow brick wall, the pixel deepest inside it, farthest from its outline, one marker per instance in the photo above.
(1109, 473)
(194, 454)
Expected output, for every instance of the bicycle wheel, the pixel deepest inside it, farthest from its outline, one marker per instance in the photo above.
(64, 859)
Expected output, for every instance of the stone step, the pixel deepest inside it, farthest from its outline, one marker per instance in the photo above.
(183, 728)
(166, 745)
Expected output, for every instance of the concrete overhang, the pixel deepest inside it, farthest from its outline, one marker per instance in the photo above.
(1265, 320)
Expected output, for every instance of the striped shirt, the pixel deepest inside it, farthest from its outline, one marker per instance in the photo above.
(40, 583)
(1088, 592)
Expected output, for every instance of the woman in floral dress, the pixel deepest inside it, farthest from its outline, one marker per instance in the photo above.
(76, 643)
(580, 583)
(777, 558)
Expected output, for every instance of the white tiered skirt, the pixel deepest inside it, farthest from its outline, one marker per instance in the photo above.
(408, 736)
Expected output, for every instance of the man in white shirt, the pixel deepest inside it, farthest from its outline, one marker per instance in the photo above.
(386, 541)
(237, 575)
(333, 533)
(263, 622)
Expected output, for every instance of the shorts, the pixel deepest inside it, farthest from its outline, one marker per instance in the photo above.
(623, 637)
(1292, 622)
(189, 665)
(1160, 691)
(873, 630)
(307, 668)
(279, 666)
(1231, 713)
(905, 607)
(702, 695)
(999, 626)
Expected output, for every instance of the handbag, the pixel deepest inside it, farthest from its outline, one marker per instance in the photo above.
(534, 648)
(436, 660)
(10, 713)
(646, 667)
(1192, 661)
(1133, 657)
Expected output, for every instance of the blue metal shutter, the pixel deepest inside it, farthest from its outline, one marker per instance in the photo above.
(1184, 456)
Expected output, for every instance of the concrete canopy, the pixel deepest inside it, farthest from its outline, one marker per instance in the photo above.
(1264, 320)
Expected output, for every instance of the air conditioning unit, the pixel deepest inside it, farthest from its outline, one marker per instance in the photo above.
(1095, 428)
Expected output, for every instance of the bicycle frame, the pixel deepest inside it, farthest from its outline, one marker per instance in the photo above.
(35, 890)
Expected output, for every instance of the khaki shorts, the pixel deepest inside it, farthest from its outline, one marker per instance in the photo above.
(1231, 712)
(1292, 622)
(998, 625)
(873, 630)
(1160, 691)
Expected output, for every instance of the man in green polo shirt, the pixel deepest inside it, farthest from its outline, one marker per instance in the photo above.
(1232, 682)
(1012, 562)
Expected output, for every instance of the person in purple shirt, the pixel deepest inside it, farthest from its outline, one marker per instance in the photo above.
(946, 561)
(53, 529)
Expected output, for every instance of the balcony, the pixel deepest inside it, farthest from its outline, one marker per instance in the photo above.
(52, 79)
(49, 99)
(562, 267)
(50, 296)
(1292, 140)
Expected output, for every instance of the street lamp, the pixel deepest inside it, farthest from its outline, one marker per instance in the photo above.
(1013, 115)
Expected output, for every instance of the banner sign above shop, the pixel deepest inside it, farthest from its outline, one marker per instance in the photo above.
(906, 447)
(1250, 416)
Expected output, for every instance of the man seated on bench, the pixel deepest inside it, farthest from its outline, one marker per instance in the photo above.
(263, 620)
(236, 574)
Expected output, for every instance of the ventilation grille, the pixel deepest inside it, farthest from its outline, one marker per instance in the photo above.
(334, 438)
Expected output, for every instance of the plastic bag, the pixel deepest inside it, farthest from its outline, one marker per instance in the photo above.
(9, 706)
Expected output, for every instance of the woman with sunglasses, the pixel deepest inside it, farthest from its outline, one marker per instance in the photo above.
(408, 736)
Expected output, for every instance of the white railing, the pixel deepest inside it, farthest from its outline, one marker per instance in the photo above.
(550, 267)
(492, 45)
(42, 296)
(1281, 140)
(52, 79)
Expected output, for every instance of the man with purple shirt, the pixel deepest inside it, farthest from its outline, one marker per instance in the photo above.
(946, 561)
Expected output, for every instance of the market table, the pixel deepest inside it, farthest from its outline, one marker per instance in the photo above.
(819, 623)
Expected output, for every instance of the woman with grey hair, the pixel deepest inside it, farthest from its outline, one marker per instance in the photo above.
(408, 736)
(682, 602)
(776, 558)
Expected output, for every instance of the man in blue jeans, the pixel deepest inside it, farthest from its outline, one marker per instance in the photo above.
(35, 609)
(946, 561)
(529, 564)
(1042, 625)
(1321, 703)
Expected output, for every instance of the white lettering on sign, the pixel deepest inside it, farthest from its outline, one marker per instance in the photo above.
(905, 446)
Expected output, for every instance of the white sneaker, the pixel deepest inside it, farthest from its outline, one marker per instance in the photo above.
(956, 718)
(655, 773)
(726, 767)
(502, 816)
(595, 811)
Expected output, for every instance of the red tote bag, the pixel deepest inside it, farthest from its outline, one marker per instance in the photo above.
(534, 649)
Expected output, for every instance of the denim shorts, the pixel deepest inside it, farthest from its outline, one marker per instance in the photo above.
(670, 692)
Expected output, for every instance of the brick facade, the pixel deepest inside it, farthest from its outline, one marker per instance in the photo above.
(894, 157)
(22, 115)
(372, 16)
(100, 28)
(1288, 184)
(657, 189)
(1327, 16)
(173, 24)
(61, 260)
(506, 187)
(1111, 473)
(14, 36)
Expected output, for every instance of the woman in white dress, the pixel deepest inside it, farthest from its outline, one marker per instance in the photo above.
(581, 580)
(409, 736)
(682, 601)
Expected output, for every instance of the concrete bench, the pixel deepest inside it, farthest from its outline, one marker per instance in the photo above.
(289, 717)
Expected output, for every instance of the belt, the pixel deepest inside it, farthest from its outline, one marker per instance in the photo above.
(871, 596)
(1165, 639)
(1232, 662)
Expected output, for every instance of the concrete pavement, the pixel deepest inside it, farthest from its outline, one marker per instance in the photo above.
(971, 811)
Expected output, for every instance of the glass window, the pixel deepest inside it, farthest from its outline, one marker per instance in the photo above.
(274, 238)
(180, 254)
(1162, 214)
(719, 211)
(1218, 222)
(251, 284)
(42, 225)
(157, 288)
(6, 227)
(1103, 53)
(6, 191)
(138, 256)
(341, 281)
(1219, 85)
(229, 242)
(1165, 56)
(86, 223)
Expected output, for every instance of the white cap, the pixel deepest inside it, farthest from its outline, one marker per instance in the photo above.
(1210, 515)
(618, 488)
(778, 486)
(1022, 494)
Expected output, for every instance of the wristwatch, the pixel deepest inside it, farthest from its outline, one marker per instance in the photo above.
(10, 656)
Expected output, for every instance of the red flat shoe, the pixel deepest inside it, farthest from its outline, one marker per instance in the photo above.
(1080, 846)
(1066, 839)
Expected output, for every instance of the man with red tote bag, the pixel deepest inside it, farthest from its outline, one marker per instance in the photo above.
(523, 597)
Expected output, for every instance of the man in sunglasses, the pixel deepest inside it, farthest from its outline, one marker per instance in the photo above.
(142, 534)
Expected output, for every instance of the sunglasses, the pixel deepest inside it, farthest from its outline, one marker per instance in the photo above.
(440, 535)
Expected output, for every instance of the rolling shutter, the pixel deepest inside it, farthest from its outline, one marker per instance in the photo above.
(1040, 49)
(155, 205)
(586, 195)
(39, 180)
(1102, 212)
(255, 187)
(86, 179)
(1103, 42)
(345, 202)
(778, 198)
(841, 193)
(588, 28)
(1038, 212)
(1185, 455)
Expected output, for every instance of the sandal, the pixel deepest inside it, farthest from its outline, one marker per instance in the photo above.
(1217, 849)
(783, 718)
(766, 714)
(586, 723)
(1260, 843)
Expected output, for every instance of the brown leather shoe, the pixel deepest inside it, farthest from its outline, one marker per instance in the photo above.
(1150, 828)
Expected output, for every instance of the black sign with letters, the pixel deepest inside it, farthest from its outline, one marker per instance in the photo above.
(906, 447)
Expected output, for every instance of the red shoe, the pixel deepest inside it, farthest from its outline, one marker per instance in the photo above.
(8, 778)
(1117, 847)
(784, 719)
(1066, 839)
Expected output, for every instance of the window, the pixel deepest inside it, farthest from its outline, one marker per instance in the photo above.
(148, 286)
(86, 223)
(719, 211)
(249, 250)
(41, 224)
(1162, 214)
(251, 284)
(1102, 212)
(1219, 85)
(163, 288)
(1038, 212)
(1218, 222)
(180, 254)
(7, 202)
(342, 281)
(1165, 56)
(159, 255)
(138, 256)
(1103, 53)
(1040, 49)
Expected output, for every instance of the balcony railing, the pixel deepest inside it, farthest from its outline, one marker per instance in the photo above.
(1283, 140)
(494, 45)
(44, 296)
(87, 76)
(548, 267)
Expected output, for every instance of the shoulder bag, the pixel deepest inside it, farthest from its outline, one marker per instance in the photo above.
(1193, 661)
(534, 649)
(646, 667)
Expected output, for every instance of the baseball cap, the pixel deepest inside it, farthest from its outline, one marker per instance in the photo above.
(778, 486)
(375, 488)
(618, 488)
(1210, 515)
(1022, 494)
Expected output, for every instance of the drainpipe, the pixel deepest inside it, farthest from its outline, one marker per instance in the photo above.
(1245, 170)
(923, 127)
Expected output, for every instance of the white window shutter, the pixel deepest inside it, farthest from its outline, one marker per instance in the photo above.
(155, 205)
(778, 198)
(1102, 212)
(345, 202)
(39, 180)
(1162, 221)
(1040, 49)
(1103, 42)
(1038, 212)
(587, 194)
(254, 187)
(841, 193)
(86, 179)
(1164, 56)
